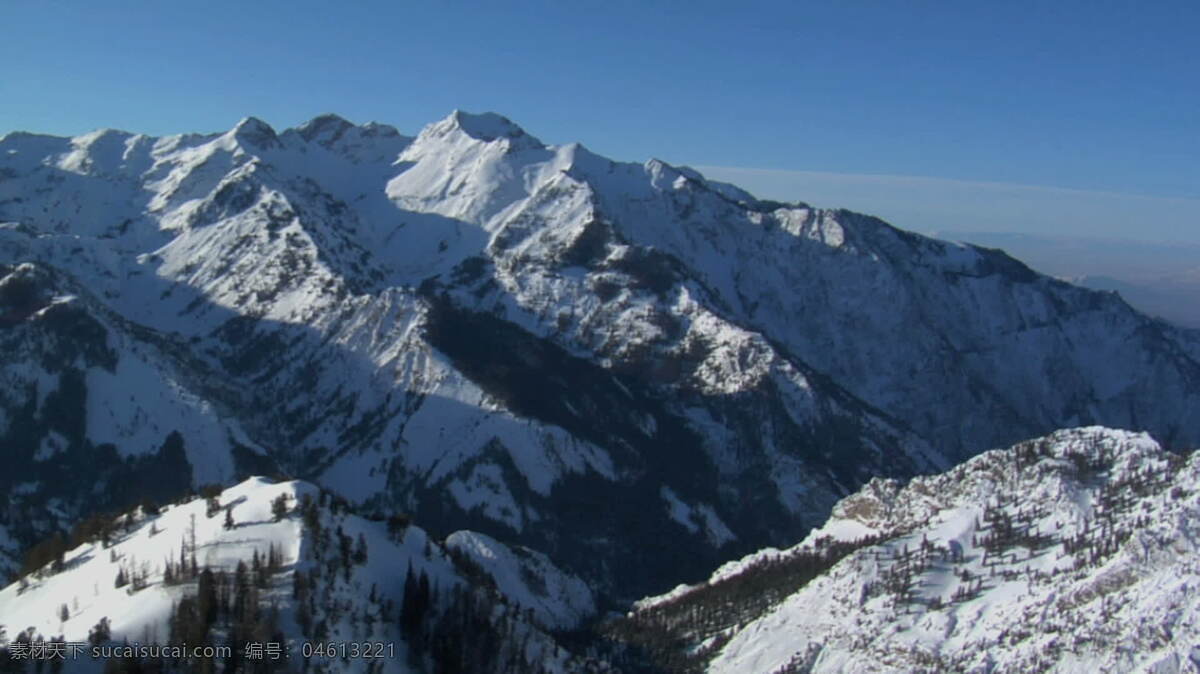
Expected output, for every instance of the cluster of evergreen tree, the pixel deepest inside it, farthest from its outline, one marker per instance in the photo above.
(415, 607)
(32, 641)
(468, 626)
(45, 557)
(1096, 541)
(472, 629)
(132, 575)
(1002, 530)
(1009, 530)
(226, 609)
(279, 507)
(667, 633)
(897, 579)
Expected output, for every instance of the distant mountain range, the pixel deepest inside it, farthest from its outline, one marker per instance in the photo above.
(624, 371)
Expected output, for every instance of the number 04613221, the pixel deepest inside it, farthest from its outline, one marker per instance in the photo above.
(348, 649)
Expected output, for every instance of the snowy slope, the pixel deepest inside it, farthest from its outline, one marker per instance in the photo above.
(343, 598)
(85, 392)
(499, 335)
(529, 579)
(1076, 552)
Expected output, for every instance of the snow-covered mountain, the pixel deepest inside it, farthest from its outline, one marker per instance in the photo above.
(1156, 278)
(628, 368)
(287, 564)
(1075, 552)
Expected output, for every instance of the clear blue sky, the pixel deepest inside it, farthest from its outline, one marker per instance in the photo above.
(1094, 97)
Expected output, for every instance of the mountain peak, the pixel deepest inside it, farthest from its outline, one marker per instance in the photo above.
(377, 129)
(327, 126)
(255, 132)
(486, 126)
(101, 135)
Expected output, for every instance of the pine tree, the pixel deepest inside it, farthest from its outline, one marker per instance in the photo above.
(256, 569)
(193, 567)
(423, 593)
(299, 586)
(360, 551)
(206, 596)
(100, 632)
(344, 542)
(240, 589)
(397, 524)
(410, 617)
(56, 664)
(279, 507)
(309, 513)
(183, 560)
(223, 590)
